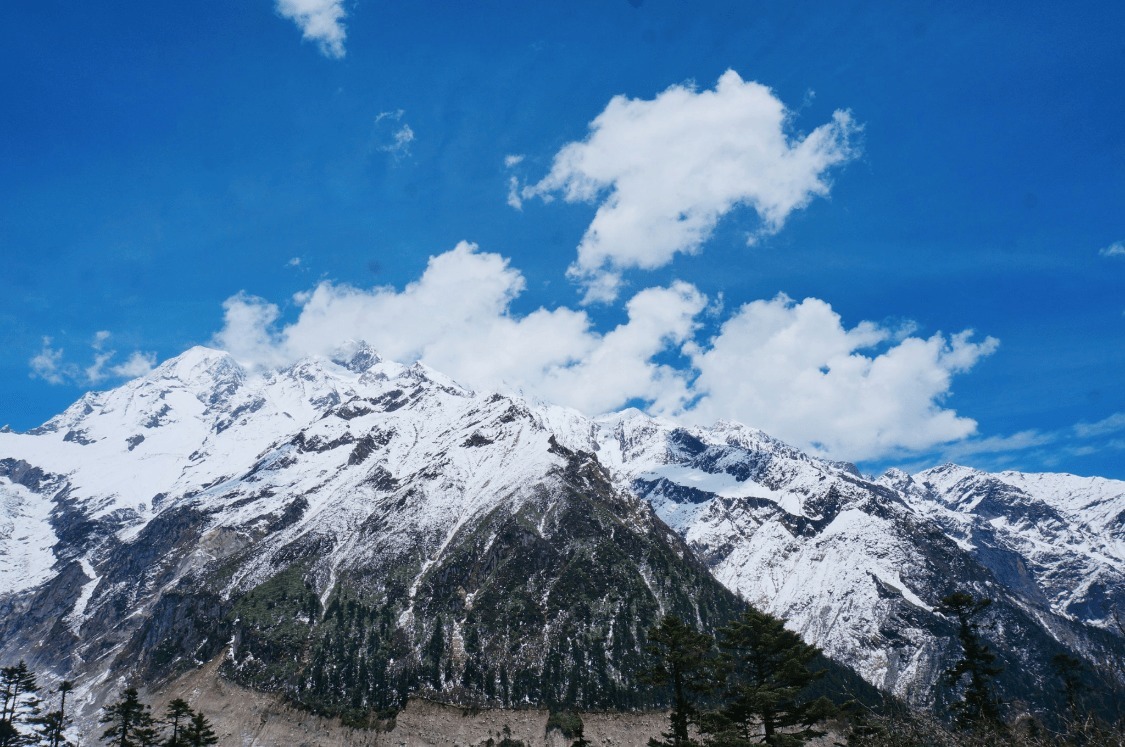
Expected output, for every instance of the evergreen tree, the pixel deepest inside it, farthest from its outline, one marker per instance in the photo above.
(682, 663)
(177, 715)
(130, 722)
(433, 655)
(198, 732)
(19, 705)
(1069, 670)
(765, 669)
(53, 725)
(978, 709)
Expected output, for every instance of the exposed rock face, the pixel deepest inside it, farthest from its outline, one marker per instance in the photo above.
(344, 536)
(349, 532)
(859, 566)
(255, 719)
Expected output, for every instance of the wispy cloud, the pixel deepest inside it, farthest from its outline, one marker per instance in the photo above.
(1042, 447)
(1115, 423)
(320, 21)
(50, 363)
(391, 134)
(47, 364)
(665, 171)
(1116, 249)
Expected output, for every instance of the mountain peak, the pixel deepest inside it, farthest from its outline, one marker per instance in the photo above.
(197, 363)
(356, 355)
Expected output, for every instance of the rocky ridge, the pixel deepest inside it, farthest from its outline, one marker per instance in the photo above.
(405, 534)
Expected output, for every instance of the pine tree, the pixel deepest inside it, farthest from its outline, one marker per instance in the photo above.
(199, 733)
(53, 725)
(177, 715)
(433, 654)
(765, 669)
(1069, 670)
(130, 722)
(19, 705)
(978, 709)
(682, 664)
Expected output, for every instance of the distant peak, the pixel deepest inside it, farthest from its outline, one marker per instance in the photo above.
(419, 371)
(356, 356)
(196, 360)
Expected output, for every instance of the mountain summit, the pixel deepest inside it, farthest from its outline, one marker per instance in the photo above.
(350, 531)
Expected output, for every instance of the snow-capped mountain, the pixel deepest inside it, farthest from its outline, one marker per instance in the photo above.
(859, 566)
(348, 531)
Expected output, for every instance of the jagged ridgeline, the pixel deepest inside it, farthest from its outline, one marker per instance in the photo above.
(544, 599)
(347, 532)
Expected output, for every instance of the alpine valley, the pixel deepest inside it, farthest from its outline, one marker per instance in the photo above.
(348, 533)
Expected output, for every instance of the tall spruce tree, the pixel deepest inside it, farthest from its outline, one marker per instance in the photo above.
(130, 722)
(682, 663)
(199, 732)
(978, 709)
(53, 725)
(177, 715)
(19, 705)
(765, 670)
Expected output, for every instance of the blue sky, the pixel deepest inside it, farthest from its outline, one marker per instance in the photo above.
(198, 173)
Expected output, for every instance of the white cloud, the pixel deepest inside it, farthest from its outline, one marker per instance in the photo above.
(789, 368)
(1112, 424)
(795, 371)
(1116, 249)
(49, 364)
(457, 319)
(513, 160)
(95, 372)
(320, 21)
(665, 171)
(137, 364)
(514, 199)
(392, 135)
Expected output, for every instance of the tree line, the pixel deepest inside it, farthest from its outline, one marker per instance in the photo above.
(128, 722)
(750, 686)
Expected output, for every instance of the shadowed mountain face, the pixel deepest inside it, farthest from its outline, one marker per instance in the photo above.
(350, 531)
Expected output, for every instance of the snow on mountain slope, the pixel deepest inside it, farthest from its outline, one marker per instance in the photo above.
(203, 506)
(1056, 538)
(390, 482)
(859, 567)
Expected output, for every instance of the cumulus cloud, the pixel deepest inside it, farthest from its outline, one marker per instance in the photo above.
(795, 371)
(1116, 249)
(457, 318)
(665, 171)
(320, 21)
(137, 364)
(50, 364)
(792, 369)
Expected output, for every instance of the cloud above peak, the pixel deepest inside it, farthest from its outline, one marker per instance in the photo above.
(791, 368)
(665, 171)
(51, 365)
(795, 371)
(456, 318)
(320, 21)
